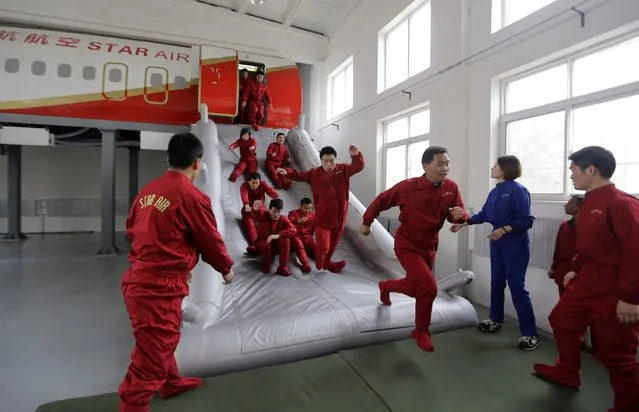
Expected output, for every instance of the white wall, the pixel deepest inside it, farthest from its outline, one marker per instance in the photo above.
(176, 21)
(557, 36)
(73, 173)
(464, 101)
(447, 96)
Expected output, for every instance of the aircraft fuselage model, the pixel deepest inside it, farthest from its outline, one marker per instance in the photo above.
(47, 75)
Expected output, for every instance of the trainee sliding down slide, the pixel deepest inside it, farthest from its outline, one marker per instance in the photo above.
(267, 319)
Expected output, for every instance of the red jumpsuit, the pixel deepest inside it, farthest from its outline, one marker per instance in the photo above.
(564, 251)
(254, 94)
(170, 224)
(282, 246)
(248, 160)
(303, 243)
(606, 262)
(276, 156)
(241, 114)
(249, 196)
(330, 195)
(424, 206)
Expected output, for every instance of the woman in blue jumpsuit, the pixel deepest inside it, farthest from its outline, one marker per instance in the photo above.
(508, 210)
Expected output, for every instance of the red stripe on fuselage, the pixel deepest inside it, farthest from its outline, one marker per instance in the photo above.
(180, 109)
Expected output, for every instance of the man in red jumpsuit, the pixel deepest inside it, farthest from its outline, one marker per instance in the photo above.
(425, 203)
(603, 286)
(565, 249)
(248, 160)
(253, 98)
(276, 157)
(253, 195)
(170, 225)
(330, 184)
(303, 243)
(244, 80)
(565, 244)
(273, 238)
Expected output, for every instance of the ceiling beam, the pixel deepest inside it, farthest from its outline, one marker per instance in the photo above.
(242, 5)
(291, 10)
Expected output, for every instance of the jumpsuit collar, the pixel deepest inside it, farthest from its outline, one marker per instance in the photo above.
(428, 184)
(177, 175)
(602, 191)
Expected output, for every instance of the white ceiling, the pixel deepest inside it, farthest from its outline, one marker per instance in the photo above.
(317, 16)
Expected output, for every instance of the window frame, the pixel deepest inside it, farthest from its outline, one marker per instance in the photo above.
(342, 68)
(425, 137)
(568, 105)
(502, 14)
(383, 45)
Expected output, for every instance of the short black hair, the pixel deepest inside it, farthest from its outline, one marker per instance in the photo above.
(578, 198)
(602, 159)
(258, 73)
(244, 70)
(280, 133)
(327, 151)
(276, 204)
(254, 176)
(184, 149)
(431, 152)
(510, 166)
(245, 130)
(306, 201)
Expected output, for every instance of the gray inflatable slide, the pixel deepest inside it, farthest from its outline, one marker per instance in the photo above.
(264, 319)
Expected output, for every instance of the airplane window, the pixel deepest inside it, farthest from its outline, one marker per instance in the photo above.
(64, 71)
(12, 65)
(156, 80)
(115, 75)
(180, 82)
(38, 68)
(88, 73)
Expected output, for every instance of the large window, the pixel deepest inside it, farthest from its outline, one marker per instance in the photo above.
(405, 139)
(340, 89)
(587, 99)
(506, 12)
(404, 47)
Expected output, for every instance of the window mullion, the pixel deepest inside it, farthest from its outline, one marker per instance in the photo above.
(406, 161)
(410, 140)
(536, 111)
(567, 144)
(568, 128)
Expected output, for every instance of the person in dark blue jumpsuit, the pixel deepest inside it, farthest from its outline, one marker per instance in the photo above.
(508, 210)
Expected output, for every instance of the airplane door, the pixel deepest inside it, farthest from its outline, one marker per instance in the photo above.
(285, 87)
(219, 80)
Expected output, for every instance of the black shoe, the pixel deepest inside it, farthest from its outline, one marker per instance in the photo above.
(529, 343)
(489, 326)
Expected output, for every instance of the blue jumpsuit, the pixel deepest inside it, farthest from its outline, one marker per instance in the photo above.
(509, 204)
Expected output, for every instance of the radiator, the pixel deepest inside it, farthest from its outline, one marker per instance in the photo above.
(542, 241)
